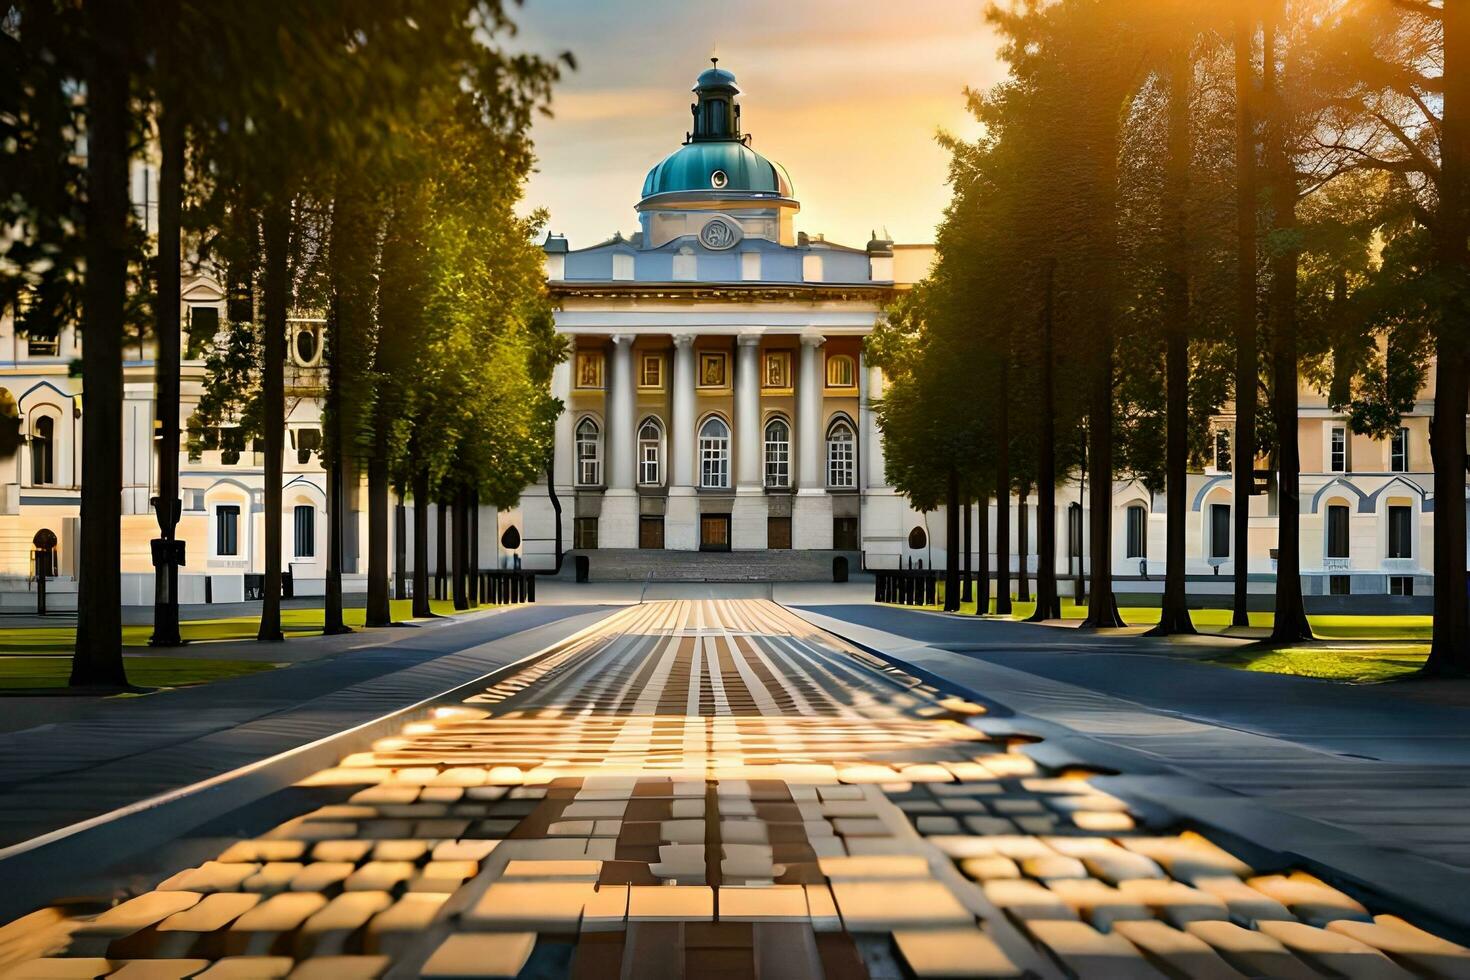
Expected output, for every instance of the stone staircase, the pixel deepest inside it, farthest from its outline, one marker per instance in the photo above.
(637, 565)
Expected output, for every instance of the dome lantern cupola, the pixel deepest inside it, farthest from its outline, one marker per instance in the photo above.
(716, 178)
(716, 116)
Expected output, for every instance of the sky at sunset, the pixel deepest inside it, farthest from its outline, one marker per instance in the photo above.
(847, 95)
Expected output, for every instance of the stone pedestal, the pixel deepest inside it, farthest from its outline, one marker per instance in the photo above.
(811, 521)
(681, 520)
(748, 521)
(617, 526)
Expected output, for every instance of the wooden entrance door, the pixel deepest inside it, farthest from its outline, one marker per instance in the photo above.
(778, 533)
(714, 532)
(651, 533)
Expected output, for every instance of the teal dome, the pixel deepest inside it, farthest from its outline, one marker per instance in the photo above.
(693, 167)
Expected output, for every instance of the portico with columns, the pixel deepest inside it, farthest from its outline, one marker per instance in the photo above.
(716, 396)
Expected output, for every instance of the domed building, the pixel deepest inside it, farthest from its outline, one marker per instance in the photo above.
(716, 397)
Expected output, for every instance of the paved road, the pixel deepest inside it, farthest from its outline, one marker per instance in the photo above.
(713, 788)
(1406, 722)
(66, 759)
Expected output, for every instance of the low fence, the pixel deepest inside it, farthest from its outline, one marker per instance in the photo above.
(500, 588)
(906, 587)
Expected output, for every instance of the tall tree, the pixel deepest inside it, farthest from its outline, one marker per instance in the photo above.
(1247, 366)
(1280, 175)
(1174, 615)
(107, 36)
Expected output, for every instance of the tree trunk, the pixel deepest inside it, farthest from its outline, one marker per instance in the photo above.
(457, 560)
(1449, 653)
(421, 606)
(98, 657)
(966, 577)
(400, 550)
(1023, 581)
(1003, 489)
(473, 529)
(1102, 608)
(441, 576)
(336, 531)
(555, 507)
(1048, 601)
(1243, 452)
(1174, 616)
(1291, 618)
(166, 371)
(332, 460)
(379, 611)
(277, 230)
(952, 543)
(982, 559)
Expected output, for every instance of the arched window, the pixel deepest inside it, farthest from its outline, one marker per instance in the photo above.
(841, 456)
(1137, 532)
(841, 371)
(650, 453)
(43, 451)
(589, 453)
(714, 453)
(778, 453)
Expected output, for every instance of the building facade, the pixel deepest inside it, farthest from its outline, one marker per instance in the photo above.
(717, 398)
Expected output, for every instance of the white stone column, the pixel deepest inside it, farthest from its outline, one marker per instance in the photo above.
(748, 524)
(811, 511)
(619, 440)
(809, 435)
(618, 523)
(748, 413)
(874, 476)
(681, 517)
(681, 426)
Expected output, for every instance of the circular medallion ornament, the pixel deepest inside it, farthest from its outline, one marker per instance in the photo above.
(718, 179)
(720, 233)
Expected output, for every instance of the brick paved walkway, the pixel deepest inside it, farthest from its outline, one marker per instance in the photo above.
(719, 788)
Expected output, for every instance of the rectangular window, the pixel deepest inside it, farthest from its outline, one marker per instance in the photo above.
(841, 458)
(714, 463)
(1401, 585)
(42, 346)
(1400, 531)
(1337, 531)
(1340, 585)
(1219, 530)
(305, 526)
(651, 372)
(778, 369)
(227, 530)
(584, 534)
(841, 371)
(1222, 450)
(778, 456)
(648, 463)
(1398, 452)
(203, 326)
(1137, 532)
(589, 369)
(712, 369)
(1339, 461)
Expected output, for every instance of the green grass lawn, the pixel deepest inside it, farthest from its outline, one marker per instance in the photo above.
(51, 640)
(41, 672)
(1364, 657)
(1358, 664)
(1217, 620)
